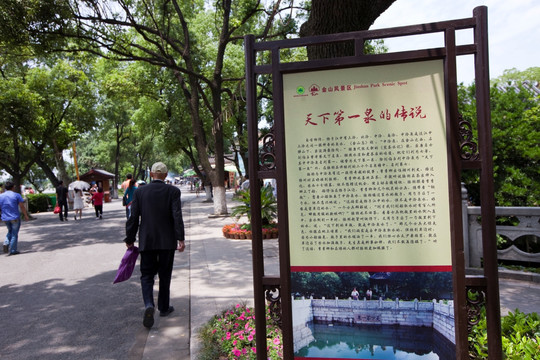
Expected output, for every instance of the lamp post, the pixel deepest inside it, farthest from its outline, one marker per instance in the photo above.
(75, 161)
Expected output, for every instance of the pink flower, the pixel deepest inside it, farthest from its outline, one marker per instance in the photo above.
(250, 337)
(228, 337)
(276, 341)
(254, 350)
(241, 337)
(244, 351)
(237, 306)
(237, 352)
(235, 342)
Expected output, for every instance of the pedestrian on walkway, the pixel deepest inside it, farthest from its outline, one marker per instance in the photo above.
(78, 203)
(61, 200)
(128, 196)
(197, 188)
(245, 184)
(10, 203)
(127, 183)
(156, 213)
(93, 188)
(97, 200)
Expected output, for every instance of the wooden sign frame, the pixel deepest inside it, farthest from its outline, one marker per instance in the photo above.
(267, 160)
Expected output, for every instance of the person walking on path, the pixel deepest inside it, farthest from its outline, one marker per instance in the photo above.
(156, 213)
(10, 203)
(128, 196)
(97, 200)
(93, 188)
(78, 203)
(61, 200)
(127, 182)
(245, 184)
(197, 188)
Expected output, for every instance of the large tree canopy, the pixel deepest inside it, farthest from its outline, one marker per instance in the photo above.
(41, 107)
(515, 113)
(198, 43)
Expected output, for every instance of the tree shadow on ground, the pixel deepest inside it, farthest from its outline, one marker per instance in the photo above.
(48, 233)
(91, 319)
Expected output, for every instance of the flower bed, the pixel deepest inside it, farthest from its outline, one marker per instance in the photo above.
(243, 231)
(231, 336)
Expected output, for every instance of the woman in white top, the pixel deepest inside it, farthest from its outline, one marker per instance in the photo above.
(78, 203)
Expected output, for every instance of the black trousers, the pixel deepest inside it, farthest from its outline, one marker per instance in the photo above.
(158, 262)
(99, 210)
(63, 208)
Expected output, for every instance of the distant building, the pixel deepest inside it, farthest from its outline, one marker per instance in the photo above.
(101, 178)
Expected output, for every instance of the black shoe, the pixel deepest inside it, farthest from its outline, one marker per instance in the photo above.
(166, 312)
(14, 253)
(6, 249)
(148, 320)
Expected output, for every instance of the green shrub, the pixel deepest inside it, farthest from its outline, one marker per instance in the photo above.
(38, 203)
(268, 205)
(520, 337)
(521, 268)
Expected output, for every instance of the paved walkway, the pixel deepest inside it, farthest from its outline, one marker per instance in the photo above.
(57, 300)
(217, 274)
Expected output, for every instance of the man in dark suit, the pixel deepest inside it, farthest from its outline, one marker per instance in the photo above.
(61, 200)
(157, 214)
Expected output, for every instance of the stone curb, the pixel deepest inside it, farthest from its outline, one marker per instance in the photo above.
(509, 274)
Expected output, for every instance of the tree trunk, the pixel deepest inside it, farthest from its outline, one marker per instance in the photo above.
(208, 190)
(220, 200)
(330, 17)
(48, 171)
(119, 133)
(218, 178)
(17, 182)
(218, 175)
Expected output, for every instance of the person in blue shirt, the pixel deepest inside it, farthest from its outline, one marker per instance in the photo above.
(10, 203)
(128, 196)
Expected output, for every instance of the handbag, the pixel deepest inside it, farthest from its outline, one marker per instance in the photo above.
(124, 201)
(127, 264)
(57, 209)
